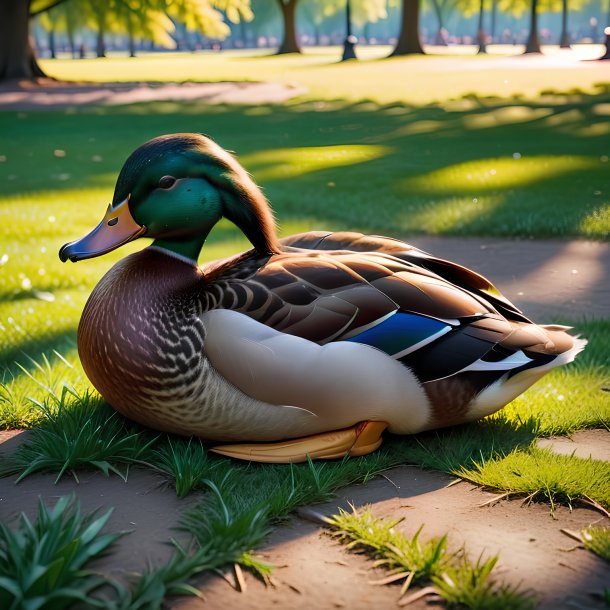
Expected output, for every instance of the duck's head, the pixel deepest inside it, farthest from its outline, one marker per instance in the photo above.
(175, 188)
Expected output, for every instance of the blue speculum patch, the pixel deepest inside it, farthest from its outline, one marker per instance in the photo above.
(400, 332)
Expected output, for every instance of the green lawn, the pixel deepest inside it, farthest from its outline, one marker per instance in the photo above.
(536, 166)
(444, 74)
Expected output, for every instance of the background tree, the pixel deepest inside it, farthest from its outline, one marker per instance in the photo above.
(318, 11)
(290, 43)
(266, 17)
(533, 42)
(481, 35)
(442, 9)
(17, 58)
(408, 39)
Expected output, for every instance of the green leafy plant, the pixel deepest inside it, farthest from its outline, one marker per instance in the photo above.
(43, 564)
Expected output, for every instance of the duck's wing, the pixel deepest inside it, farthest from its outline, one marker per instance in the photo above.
(376, 298)
(453, 272)
(453, 340)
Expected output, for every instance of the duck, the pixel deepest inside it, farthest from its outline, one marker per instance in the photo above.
(306, 347)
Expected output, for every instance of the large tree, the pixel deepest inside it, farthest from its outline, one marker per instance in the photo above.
(290, 43)
(17, 59)
(408, 39)
(533, 42)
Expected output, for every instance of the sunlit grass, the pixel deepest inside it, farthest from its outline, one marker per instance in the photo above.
(411, 561)
(597, 540)
(289, 163)
(446, 73)
(541, 474)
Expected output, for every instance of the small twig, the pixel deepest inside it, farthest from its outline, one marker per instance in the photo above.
(570, 549)
(596, 505)
(493, 500)
(295, 589)
(454, 482)
(571, 534)
(409, 599)
(387, 478)
(239, 578)
(390, 579)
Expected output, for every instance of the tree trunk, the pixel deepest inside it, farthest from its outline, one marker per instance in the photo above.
(564, 39)
(533, 43)
(439, 38)
(131, 41)
(51, 41)
(408, 39)
(17, 58)
(72, 45)
(100, 46)
(494, 13)
(480, 32)
(290, 43)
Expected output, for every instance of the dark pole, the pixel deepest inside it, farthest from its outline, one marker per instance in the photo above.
(480, 32)
(564, 40)
(606, 55)
(350, 40)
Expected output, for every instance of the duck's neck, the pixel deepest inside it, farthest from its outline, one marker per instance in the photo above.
(189, 249)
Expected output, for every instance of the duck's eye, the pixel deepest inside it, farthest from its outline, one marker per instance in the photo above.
(167, 182)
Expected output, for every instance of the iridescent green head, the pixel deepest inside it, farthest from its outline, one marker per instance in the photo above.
(175, 188)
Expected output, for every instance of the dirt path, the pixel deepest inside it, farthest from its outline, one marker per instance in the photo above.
(57, 95)
(550, 280)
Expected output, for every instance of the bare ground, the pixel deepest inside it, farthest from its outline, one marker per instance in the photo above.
(54, 95)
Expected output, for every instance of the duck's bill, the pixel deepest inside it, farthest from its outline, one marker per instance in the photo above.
(117, 228)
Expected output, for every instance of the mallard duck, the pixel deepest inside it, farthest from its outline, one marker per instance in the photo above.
(311, 345)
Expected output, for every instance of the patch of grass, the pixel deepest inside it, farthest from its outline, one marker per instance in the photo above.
(43, 565)
(541, 474)
(470, 585)
(186, 462)
(458, 581)
(416, 561)
(443, 74)
(78, 431)
(597, 540)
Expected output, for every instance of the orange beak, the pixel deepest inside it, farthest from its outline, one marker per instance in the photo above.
(117, 228)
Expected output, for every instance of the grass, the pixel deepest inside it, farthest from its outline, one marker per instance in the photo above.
(457, 580)
(597, 540)
(394, 169)
(446, 73)
(43, 565)
(528, 166)
(542, 474)
(77, 433)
